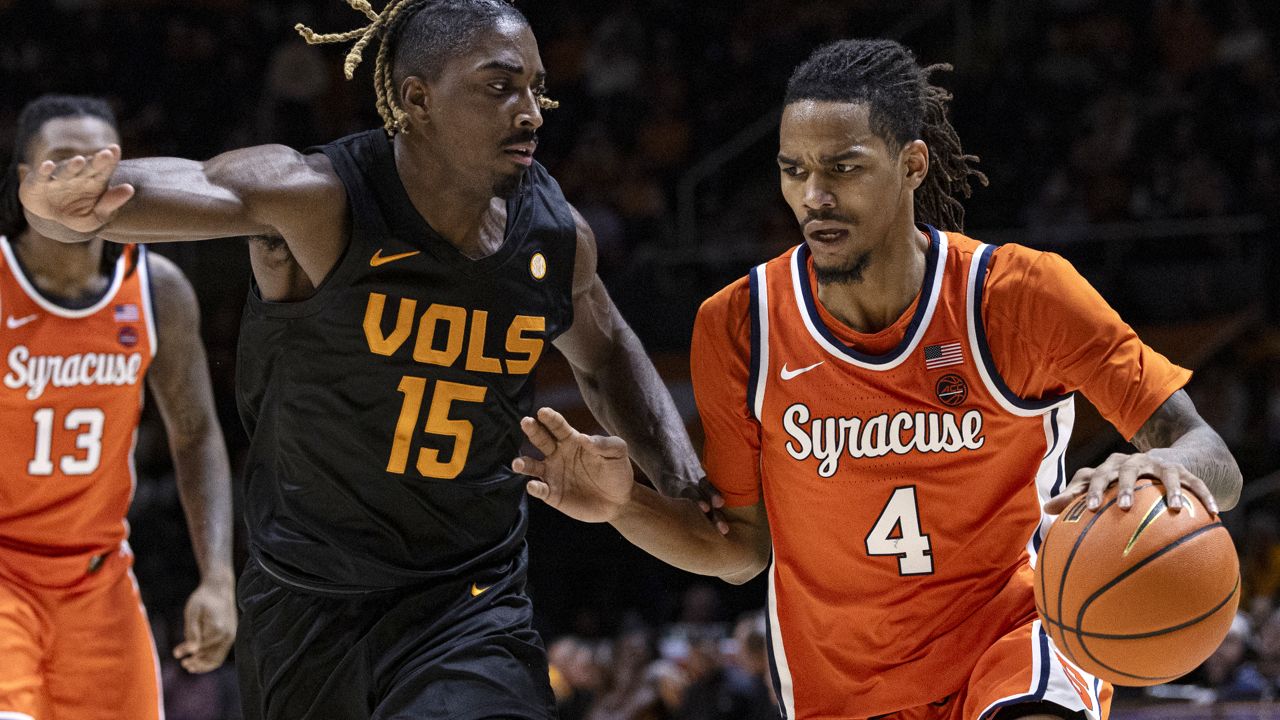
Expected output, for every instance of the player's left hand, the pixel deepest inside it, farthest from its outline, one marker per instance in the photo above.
(1125, 469)
(210, 626)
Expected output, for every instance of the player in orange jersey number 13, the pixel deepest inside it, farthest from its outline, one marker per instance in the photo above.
(84, 327)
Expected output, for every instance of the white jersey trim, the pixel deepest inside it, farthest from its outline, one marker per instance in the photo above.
(1051, 477)
(1049, 681)
(50, 307)
(148, 313)
(784, 685)
(932, 285)
(759, 287)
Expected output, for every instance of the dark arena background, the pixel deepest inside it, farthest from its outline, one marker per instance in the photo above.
(1141, 140)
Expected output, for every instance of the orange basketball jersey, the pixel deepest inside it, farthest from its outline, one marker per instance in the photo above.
(904, 488)
(70, 402)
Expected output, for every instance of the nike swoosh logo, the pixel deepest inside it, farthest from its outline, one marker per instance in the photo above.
(477, 591)
(378, 259)
(788, 374)
(14, 323)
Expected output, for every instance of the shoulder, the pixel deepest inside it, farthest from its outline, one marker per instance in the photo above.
(730, 301)
(725, 316)
(1017, 273)
(172, 292)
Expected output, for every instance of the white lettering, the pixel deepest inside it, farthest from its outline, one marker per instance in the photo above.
(38, 372)
(829, 439)
(792, 419)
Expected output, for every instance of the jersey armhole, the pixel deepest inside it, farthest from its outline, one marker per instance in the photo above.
(984, 361)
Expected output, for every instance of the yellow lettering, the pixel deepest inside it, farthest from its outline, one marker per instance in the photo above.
(413, 388)
(387, 344)
(438, 422)
(476, 360)
(518, 343)
(424, 349)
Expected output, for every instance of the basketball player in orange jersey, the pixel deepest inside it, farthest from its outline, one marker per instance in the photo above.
(886, 409)
(84, 326)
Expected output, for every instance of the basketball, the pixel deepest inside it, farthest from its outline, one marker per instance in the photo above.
(1138, 597)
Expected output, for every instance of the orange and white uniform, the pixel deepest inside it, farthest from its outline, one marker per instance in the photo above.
(903, 472)
(74, 638)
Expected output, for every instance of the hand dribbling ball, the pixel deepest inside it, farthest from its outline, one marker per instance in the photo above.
(1137, 597)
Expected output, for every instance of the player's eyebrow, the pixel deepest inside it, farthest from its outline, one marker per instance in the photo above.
(539, 77)
(853, 153)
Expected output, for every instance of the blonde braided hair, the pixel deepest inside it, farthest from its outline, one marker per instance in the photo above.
(383, 26)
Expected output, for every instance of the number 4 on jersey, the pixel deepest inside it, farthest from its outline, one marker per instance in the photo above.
(909, 544)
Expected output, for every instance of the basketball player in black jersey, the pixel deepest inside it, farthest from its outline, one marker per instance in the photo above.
(406, 285)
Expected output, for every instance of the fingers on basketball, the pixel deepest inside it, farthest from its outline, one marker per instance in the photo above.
(1139, 597)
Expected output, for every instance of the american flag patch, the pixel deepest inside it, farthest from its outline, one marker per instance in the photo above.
(126, 313)
(944, 355)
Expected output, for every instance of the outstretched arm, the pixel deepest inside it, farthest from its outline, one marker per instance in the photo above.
(179, 379)
(623, 389)
(590, 479)
(1178, 448)
(266, 190)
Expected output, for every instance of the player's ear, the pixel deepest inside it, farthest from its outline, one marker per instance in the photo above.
(915, 162)
(415, 99)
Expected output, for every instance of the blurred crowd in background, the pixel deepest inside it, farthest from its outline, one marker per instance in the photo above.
(1139, 139)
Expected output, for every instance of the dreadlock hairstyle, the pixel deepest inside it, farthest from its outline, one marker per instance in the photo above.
(903, 106)
(429, 32)
(32, 118)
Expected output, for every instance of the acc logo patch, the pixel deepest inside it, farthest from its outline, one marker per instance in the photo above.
(538, 266)
(951, 390)
(128, 336)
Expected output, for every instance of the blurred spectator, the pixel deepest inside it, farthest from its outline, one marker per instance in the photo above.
(1260, 564)
(575, 676)
(629, 691)
(1227, 672)
(1268, 639)
(721, 688)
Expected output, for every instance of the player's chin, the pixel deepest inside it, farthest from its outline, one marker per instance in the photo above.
(506, 184)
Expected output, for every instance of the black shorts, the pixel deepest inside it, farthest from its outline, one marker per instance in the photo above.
(461, 650)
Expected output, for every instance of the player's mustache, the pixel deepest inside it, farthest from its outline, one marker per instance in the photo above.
(817, 215)
(519, 138)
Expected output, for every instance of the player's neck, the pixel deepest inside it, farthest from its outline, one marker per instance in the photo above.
(67, 271)
(891, 280)
(461, 215)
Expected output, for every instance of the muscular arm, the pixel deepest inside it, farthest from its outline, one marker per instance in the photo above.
(619, 382)
(675, 532)
(266, 190)
(1176, 433)
(590, 479)
(1178, 448)
(179, 380)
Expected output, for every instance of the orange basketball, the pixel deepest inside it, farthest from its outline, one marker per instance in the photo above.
(1138, 597)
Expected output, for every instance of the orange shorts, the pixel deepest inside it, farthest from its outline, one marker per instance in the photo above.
(1021, 667)
(82, 652)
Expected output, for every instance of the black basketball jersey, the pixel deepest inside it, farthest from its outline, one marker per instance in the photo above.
(384, 411)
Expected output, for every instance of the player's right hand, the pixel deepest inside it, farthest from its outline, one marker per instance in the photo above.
(588, 478)
(76, 193)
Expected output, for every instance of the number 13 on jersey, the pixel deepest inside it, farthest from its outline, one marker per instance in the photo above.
(897, 532)
(438, 422)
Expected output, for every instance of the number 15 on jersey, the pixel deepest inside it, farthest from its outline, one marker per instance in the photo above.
(438, 422)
